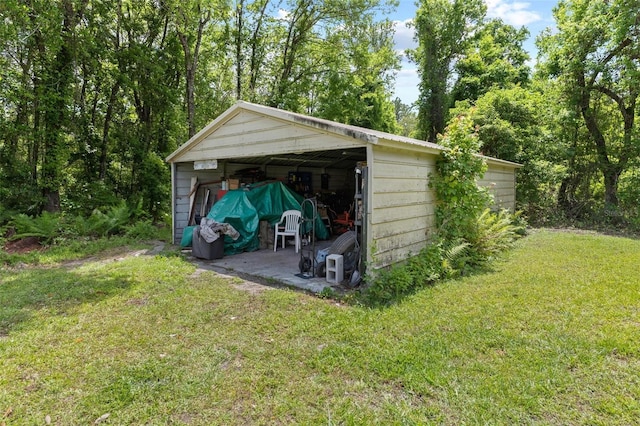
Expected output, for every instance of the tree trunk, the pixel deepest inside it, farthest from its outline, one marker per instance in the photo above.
(57, 92)
(191, 65)
(611, 176)
(57, 95)
(239, 25)
(105, 131)
(256, 60)
(610, 171)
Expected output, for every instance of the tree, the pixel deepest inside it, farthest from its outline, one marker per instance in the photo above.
(406, 117)
(330, 59)
(595, 55)
(495, 58)
(96, 93)
(511, 124)
(444, 29)
(192, 20)
(355, 90)
(20, 117)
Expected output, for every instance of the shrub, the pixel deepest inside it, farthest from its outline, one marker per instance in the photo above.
(110, 222)
(389, 285)
(459, 200)
(433, 263)
(45, 227)
(142, 230)
(55, 227)
(495, 232)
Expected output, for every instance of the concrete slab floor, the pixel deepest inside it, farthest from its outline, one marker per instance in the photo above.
(280, 267)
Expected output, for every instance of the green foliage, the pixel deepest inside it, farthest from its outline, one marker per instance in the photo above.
(406, 118)
(85, 197)
(593, 58)
(444, 29)
(141, 230)
(18, 191)
(459, 200)
(360, 96)
(61, 229)
(112, 221)
(5, 215)
(494, 59)
(328, 293)
(96, 96)
(495, 233)
(630, 196)
(45, 227)
(433, 263)
(513, 124)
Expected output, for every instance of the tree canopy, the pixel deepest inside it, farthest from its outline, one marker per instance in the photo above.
(595, 56)
(97, 93)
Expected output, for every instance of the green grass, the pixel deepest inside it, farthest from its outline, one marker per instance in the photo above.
(550, 336)
(76, 248)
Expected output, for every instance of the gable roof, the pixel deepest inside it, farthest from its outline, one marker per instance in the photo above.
(364, 135)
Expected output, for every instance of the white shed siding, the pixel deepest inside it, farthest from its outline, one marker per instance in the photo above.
(502, 185)
(251, 135)
(402, 204)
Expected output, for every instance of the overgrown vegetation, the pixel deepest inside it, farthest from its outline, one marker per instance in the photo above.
(468, 234)
(65, 231)
(96, 94)
(549, 336)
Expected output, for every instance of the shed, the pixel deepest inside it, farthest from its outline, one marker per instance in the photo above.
(249, 142)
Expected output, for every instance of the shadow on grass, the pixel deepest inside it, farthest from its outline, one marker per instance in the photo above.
(54, 290)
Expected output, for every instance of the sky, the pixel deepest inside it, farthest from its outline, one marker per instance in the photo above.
(536, 15)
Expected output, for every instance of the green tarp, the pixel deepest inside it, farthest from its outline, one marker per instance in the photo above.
(244, 209)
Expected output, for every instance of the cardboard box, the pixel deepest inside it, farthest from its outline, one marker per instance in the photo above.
(234, 183)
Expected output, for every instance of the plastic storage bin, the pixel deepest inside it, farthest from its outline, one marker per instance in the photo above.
(204, 250)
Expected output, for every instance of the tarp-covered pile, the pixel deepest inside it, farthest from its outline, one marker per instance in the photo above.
(244, 210)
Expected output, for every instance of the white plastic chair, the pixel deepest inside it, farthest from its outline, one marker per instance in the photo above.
(291, 228)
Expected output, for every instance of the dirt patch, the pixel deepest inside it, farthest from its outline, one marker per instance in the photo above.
(116, 255)
(239, 281)
(23, 245)
(251, 287)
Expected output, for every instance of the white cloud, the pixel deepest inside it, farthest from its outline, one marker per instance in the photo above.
(406, 85)
(512, 12)
(403, 36)
(283, 14)
(407, 78)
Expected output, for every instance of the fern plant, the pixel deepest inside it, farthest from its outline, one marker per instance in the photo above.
(495, 232)
(455, 258)
(111, 222)
(45, 227)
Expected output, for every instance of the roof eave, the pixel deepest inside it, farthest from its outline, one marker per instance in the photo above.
(499, 162)
(326, 126)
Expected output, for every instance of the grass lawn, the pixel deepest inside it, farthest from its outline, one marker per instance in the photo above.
(550, 336)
